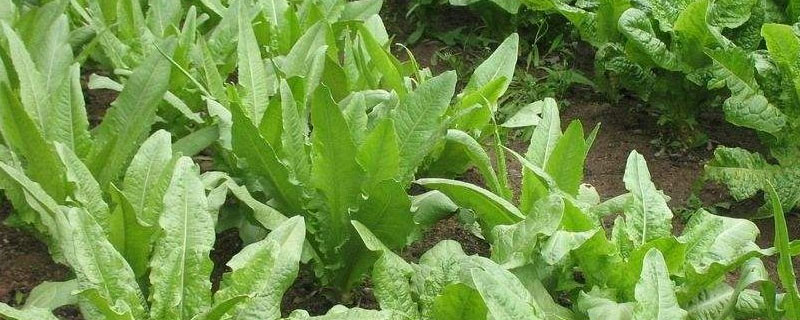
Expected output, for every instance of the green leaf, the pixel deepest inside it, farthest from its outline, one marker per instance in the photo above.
(747, 106)
(132, 238)
(730, 13)
(459, 302)
(500, 64)
(562, 243)
(37, 199)
(147, 177)
(390, 276)
(51, 295)
(128, 120)
(546, 134)
(527, 116)
(67, 121)
(386, 211)
(567, 159)
(104, 278)
(264, 270)
(379, 154)
(335, 171)
(219, 310)
(162, 16)
(418, 121)
(647, 215)
(262, 160)
(712, 239)
(599, 304)
(187, 228)
(655, 296)
(430, 207)
(392, 77)
(743, 172)
(294, 138)
(791, 302)
(24, 138)
(86, 190)
(492, 210)
(29, 314)
(33, 99)
(479, 158)
(635, 25)
(257, 86)
(504, 295)
(516, 245)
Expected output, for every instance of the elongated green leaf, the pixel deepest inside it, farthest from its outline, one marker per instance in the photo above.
(249, 145)
(379, 154)
(418, 121)
(129, 119)
(335, 171)
(86, 190)
(546, 134)
(104, 278)
(187, 229)
(36, 197)
(791, 302)
(264, 270)
(132, 238)
(257, 87)
(430, 207)
(67, 122)
(492, 210)
(500, 64)
(647, 215)
(303, 51)
(33, 99)
(598, 304)
(504, 296)
(162, 16)
(23, 137)
(392, 77)
(743, 172)
(655, 296)
(567, 160)
(717, 240)
(294, 138)
(147, 177)
(221, 309)
(479, 157)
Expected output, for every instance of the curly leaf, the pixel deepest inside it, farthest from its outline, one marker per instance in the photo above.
(746, 107)
(181, 266)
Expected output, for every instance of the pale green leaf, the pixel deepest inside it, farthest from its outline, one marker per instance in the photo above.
(187, 237)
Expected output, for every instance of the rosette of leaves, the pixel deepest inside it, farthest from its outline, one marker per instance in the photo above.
(554, 240)
(175, 282)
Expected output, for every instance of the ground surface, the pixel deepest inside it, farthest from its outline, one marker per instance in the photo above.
(25, 262)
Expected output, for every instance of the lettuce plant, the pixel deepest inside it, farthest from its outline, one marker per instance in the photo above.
(554, 241)
(176, 284)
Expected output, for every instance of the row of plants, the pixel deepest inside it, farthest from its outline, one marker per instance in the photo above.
(684, 57)
(317, 132)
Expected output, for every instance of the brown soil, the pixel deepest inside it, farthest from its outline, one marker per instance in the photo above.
(24, 262)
